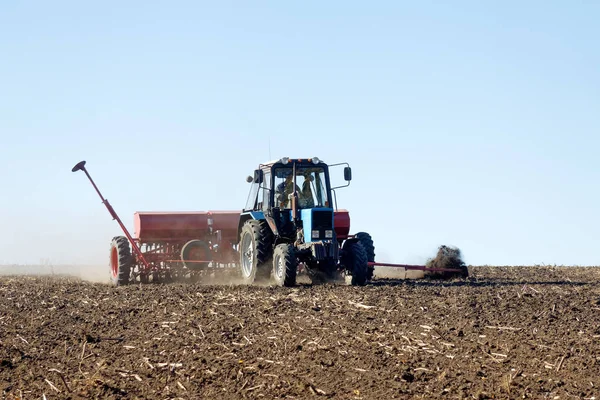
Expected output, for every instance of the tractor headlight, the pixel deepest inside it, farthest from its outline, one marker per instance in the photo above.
(328, 234)
(285, 160)
(315, 160)
(315, 234)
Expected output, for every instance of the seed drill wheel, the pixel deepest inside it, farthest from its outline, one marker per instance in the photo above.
(285, 265)
(255, 248)
(120, 261)
(194, 251)
(354, 259)
(367, 242)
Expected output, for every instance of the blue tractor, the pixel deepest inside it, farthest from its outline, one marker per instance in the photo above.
(288, 222)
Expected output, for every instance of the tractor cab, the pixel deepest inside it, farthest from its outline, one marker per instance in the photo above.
(309, 183)
(289, 216)
(293, 195)
(273, 185)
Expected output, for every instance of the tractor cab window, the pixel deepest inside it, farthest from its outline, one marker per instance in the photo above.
(266, 189)
(310, 185)
(252, 197)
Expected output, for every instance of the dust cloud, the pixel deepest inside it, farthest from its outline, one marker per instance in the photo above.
(396, 273)
(90, 273)
(381, 272)
(94, 273)
(447, 257)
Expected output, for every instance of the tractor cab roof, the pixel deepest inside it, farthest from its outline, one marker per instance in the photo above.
(288, 160)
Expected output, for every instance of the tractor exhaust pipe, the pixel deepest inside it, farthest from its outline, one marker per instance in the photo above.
(80, 166)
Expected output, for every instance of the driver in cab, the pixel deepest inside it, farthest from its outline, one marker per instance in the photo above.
(285, 188)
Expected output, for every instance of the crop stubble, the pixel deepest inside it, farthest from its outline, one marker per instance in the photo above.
(505, 332)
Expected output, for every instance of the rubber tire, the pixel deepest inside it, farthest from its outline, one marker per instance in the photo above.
(354, 258)
(120, 261)
(367, 241)
(285, 253)
(260, 236)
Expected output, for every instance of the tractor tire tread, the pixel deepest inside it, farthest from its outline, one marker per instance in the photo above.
(263, 237)
(354, 259)
(291, 265)
(367, 242)
(125, 259)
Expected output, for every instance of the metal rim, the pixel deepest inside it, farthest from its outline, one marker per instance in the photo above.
(247, 255)
(279, 266)
(114, 262)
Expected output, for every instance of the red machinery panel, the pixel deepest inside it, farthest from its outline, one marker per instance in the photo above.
(226, 222)
(341, 222)
(154, 226)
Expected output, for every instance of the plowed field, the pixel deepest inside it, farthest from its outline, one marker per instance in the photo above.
(505, 332)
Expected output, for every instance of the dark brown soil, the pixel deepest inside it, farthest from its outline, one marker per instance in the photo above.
(518, 332)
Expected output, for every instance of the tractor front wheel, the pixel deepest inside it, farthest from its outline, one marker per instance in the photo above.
(354, 259)
(120, 261)
(285, 265)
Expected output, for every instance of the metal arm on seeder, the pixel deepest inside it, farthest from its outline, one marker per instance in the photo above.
(80, 166)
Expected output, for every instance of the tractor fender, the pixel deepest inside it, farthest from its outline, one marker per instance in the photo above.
(349, 240)
(246, 216)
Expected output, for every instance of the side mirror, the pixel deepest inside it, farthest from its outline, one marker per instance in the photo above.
(249, 179)
(347, 173)
(258, 176)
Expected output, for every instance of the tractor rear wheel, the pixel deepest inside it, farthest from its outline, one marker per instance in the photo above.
(367, 241)
(120, 261)
(354, 259)
(255, 248)
(285, 265)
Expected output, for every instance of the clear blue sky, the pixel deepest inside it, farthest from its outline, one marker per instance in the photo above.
(467, 123)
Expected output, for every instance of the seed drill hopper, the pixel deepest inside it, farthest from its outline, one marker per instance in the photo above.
(290, 224)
